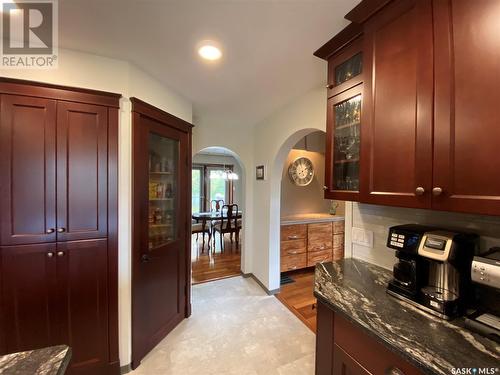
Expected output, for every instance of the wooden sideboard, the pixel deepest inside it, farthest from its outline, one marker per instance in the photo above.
(303, 245)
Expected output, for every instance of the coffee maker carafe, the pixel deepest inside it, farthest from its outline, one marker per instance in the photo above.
(449, 256)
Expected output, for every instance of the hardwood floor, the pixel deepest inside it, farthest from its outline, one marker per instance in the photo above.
(298, 296)
(210, 265)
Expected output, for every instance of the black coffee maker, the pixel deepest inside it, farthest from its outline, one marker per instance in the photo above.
(411, 272)
(433, 268)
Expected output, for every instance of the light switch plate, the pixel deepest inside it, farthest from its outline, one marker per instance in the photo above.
(362, 237)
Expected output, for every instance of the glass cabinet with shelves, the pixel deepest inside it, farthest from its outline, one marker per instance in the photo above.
(344, 131)
(163, 156)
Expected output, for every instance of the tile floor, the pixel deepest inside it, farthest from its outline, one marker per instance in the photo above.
(235, 328)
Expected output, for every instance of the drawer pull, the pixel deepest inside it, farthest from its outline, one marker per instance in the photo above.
(294, 237)
(292, 252)
(394, 371)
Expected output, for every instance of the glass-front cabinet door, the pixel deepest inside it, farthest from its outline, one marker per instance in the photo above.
(344, 144)
(163, 190)
(345, 69)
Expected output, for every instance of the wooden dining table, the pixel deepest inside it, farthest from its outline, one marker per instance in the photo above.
(211, 216)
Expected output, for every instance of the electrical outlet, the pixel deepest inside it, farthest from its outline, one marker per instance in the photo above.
(362, 237)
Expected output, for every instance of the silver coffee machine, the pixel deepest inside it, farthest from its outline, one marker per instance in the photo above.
(449, 256)
(484, 314)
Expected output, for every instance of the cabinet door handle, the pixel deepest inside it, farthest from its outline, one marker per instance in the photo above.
(50, 254)
(145, 258)
(292, 252)
(394, 371)
(420, 190)
(61, 230)
(294, 237)
(60, 253)
(329, 86)
(437, 191)
(50, 230)
(325, 187)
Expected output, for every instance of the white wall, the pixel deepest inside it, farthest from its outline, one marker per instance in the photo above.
(304, 199)
(379, 218)
(274, 138)
(209, 132)
(84, 70)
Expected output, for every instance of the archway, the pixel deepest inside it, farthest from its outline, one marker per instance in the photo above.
(275, 203)
(218, 174)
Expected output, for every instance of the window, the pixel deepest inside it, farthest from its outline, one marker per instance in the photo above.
(196, 195)
(209, 183)
(217, 185)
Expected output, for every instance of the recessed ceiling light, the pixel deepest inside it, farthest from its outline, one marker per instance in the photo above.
(209, 51)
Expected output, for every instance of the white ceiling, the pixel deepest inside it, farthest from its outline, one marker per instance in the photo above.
(267, 46)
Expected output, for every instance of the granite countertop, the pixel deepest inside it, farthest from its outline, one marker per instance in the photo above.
(357, 290)
(47, 361)
(309, 218)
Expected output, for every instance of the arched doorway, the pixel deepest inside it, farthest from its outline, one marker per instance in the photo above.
(218, 178)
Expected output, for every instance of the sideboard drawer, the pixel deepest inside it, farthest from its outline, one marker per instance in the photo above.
(293, 262)
(293, 232)
(319, 257)
(338, 226)
(293, 247)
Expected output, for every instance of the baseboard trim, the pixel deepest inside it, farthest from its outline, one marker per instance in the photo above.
(125, 369)
(269, 292)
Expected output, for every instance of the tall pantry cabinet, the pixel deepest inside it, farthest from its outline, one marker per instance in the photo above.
(58, 222)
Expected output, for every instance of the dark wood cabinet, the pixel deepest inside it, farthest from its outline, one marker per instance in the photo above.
(343, 141)
(29, 297)
(466, 125)
(82, 170)
(161, 262)
(343, 348)
(27, 170)
(396, 142)
(344, 364)
(58, 234)
(428, 134)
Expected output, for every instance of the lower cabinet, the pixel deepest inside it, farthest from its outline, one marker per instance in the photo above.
(342, 349)
(305, 245)
(55, 294)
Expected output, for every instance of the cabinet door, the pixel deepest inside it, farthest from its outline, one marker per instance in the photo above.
(27, 170)
(344, 364)
(83, 289)
(82, 151)
(28, 281)
(160, 220)
(396, 142)
(345, 69)
(343, 141)
(466, 129)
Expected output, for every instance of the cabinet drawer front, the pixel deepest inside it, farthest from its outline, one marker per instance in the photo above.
(293, 232)
(338, 227)
(293, 247)
(293, 262)
(370, 354)
(319, 257)
(316, 246)
(319, 237)
(338, 240)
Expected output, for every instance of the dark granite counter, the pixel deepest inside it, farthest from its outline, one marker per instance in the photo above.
(356, 290)
(46, 361)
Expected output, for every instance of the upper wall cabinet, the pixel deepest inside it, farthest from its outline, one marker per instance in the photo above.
(396, 147)
(467, 129)
(429, 131)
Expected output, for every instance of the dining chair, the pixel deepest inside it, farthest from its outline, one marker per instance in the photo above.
(197, 228)
(228, 224)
